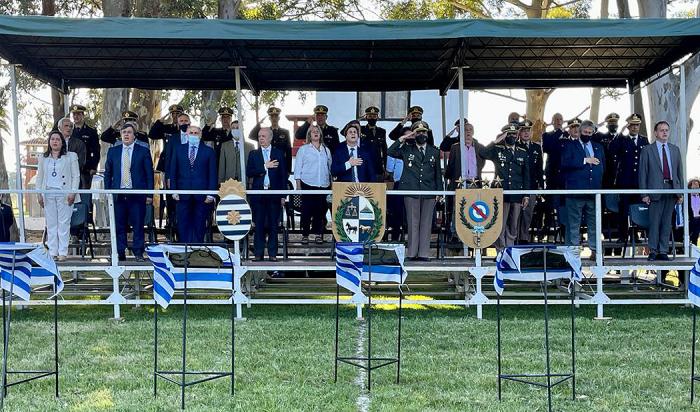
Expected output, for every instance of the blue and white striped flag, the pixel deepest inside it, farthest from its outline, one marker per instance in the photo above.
(33, 266)
(508, 265)
(167, 278)
(352, 266)
(694, 280)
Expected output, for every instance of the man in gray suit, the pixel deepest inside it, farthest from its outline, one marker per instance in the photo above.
(65, 126)
(229, 158)
(660, 167)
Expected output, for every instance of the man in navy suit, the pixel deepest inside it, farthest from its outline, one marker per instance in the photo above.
(267, 169)
(193, 167)
(129, 166)
(352, 163)
(582, 162)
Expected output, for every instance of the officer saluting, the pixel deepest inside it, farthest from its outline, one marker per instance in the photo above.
(512, 173)
(415, 114)
(88, 135)
(280, 136)
(163, 131)
(421, 172)
(216, 136)
(329, 133)
(111, 135)
(375, 136)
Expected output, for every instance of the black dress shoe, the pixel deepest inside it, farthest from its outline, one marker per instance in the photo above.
(122, 257)
(258, 259)
(652, 256)
(423, 259)
(140, 259)
(662, 256)
(273, 258)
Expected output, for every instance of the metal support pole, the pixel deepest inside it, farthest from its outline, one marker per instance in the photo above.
(460, 83)
(684, 158)
(444, 117)
(598, 230)
(115, 256)
(18, 164)
(630, 92)
(239, 115)
(66, 104)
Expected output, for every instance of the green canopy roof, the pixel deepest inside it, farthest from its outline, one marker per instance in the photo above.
(343, 56)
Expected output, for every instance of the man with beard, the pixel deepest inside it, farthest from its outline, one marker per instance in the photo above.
(512, 173)
(415, 114)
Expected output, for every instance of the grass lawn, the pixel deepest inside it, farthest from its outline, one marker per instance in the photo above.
(638, 361)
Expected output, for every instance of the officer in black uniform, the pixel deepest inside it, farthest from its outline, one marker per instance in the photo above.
(216, 136)
(512, 173)
(534, 154)
(626, 150)
(605, 139)
(163, 131)
(415, 114)
(329, 133)
(88, 135)
(421, 172)
(280, 136)
(111, 134)
(375, 137)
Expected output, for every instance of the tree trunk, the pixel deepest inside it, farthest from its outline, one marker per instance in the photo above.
(115, 100)
(536, 100)
(146, 103)
(595, 93)
(48, 8)
(211, 99)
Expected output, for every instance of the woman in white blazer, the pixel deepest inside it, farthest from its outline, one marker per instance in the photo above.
(58, 170)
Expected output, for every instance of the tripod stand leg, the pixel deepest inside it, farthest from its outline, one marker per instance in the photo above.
(55, 335)
(546, 332)
(573, 342)
(692, 360)
(155, 349)
(398, 341)
(498, 340)
(337, 322)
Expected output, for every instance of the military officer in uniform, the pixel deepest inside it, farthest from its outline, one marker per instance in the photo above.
(375, 136)
(88, 135)
(111, 134)
(415, 114)
(605, 139)
(512, 173)
(534, 154)
(329, 133)
(163, 131)
(216, 136)
(625, 151)
(280, 136)
(421, 172)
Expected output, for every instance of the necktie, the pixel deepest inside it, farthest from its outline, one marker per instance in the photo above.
(667, 170)
(422, 151)
(354, 168)
(126, 167)
(588, 150)
(236, 145)
(192, 155)
(266, 157)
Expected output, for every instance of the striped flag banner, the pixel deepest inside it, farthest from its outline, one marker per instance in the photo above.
(167, 278)
(352, 265)
(32, 266)
(694, 278)
(508, 265)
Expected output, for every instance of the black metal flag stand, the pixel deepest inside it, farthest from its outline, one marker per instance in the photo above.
(26, 375)
(369, 362)
(693, 377)
(183, 374)
(553, 379)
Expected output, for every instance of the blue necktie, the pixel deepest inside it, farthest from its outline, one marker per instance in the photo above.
(193, 155)
(266, 158)
(354, 169)
(588, 150)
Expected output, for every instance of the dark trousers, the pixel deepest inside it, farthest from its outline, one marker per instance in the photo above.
(313, 211)
(576, 206)
(660, 222)
(694, 229)
(192, 224)
(267, 221)
(129, 210)
(420, 211)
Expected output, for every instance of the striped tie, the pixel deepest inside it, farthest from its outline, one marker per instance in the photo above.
(126, 167)
(192, 155)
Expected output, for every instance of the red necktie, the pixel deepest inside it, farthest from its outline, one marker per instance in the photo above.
(667, 170)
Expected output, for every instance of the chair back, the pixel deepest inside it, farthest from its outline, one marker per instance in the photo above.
(639, 215)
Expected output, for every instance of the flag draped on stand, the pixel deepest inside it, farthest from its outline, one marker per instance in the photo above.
(694, 279)
(33, 266)
(508, 265)
(167, 278)
(351, 267)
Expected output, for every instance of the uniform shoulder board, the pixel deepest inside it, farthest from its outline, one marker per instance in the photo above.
(521, 148)
(501, 146)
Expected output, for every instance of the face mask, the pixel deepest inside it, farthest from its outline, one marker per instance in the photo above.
(372, 122)
(236, 133)
(421, 138)
(194, 140)
(510, 140)
(612, 129)
(183, 127)
(585, 139)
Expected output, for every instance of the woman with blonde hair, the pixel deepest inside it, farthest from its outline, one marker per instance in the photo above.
(58, 170)
(312, 171)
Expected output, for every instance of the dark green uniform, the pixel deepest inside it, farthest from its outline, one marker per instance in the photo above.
(512, 167)
(420, 171)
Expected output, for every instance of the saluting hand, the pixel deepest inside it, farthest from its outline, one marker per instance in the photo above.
(500, 137)
(310, 119)
(271, 164)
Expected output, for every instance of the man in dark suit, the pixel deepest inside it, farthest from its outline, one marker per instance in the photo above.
(129, 166)
(660, 167)
(111, 134)
(329, 133)
(534, 155)
(375, 139)
(352, 163)
(75, 145)
(280, 136)
(88, 135)
(605, 140)
(267, 171)
(583, 162)
(193, 167)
